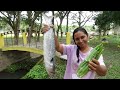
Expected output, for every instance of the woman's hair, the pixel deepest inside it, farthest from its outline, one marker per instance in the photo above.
(75, 31)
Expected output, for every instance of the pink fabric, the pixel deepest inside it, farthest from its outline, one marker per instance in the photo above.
(72, 65)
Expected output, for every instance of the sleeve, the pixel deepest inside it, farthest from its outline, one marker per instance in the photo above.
(101, 61)
(66, 49)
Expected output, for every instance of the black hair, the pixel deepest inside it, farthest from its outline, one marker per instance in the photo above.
(76, 30)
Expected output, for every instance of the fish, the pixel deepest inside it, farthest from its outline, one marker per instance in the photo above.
(49, 48)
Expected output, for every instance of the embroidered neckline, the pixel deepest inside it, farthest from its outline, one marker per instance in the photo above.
(85, 52)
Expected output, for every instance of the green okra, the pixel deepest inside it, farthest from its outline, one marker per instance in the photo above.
(95, 53)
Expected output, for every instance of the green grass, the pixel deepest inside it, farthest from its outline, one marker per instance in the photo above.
(39, 72)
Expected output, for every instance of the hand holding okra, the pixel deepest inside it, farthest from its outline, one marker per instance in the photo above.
(93, 64)
(89, 62)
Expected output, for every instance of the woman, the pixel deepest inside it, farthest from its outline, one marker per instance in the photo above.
(77, 53)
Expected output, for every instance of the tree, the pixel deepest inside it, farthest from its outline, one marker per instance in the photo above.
(3, 24)
(81, 17)
(107, 20)
(39, 29)
(32, 16)
(61, 15)
(13, 19)
(67, 21)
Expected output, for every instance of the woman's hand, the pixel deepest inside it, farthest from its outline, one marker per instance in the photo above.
(46, 28)
(94, 65)
(99, 69)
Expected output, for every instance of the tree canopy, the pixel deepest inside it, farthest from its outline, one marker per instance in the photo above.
(105, 19)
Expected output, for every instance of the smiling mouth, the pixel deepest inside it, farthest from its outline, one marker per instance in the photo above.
(81, 44)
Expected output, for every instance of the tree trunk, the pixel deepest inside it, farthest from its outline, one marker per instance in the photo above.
(16, 36)
(79, 22)
(61, 27)
(99, 34)
(104, 32)
(30, 33)
(16, 28)
(67, 25)
(39, 31)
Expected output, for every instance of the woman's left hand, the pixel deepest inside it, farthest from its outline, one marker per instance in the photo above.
(94, 65)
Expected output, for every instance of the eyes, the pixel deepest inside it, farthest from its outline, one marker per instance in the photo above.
(78, 38)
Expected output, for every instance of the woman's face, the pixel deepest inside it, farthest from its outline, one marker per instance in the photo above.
(81, 39)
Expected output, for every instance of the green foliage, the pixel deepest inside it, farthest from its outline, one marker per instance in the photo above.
(12, 68)
(2, 24)
(19, 65)
(37, 72)
(89, 28)
(107, 19)
(103, 20)
(114, 39)
(60, 68)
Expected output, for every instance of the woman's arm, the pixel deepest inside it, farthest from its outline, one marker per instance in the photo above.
(58, 46)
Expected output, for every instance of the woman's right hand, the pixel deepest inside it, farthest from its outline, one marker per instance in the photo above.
(46, 28)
